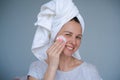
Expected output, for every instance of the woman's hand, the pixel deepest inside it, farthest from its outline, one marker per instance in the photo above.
(54, 52)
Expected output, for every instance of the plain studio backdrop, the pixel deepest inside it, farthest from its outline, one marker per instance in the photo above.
(100, 44)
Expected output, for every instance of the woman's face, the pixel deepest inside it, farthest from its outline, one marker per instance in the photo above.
(72, 31)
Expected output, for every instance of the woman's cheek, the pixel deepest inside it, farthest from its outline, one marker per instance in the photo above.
(78, 43)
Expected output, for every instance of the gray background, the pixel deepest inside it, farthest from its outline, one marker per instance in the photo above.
(100, 45)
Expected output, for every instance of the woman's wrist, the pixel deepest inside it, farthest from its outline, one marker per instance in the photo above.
(50, 73)
(52, 68)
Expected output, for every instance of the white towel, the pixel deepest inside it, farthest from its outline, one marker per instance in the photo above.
(52, 17)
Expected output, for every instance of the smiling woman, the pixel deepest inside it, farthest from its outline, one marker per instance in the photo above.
(100, 43)
(57, 42)
(72, 31)
(60, 60)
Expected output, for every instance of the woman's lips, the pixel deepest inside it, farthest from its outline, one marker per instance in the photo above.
(69, 47)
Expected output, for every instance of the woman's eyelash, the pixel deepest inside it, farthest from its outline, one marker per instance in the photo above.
(78, 37)
(67, 34)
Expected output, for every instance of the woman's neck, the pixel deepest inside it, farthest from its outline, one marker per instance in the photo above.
(66, 62)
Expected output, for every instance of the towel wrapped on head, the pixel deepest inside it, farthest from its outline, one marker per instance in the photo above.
(52, 17)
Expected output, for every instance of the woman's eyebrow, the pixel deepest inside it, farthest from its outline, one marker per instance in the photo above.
(68, 32)
(72, 33)
(80, 35)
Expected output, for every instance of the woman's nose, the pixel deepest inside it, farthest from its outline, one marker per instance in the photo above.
(73, 40)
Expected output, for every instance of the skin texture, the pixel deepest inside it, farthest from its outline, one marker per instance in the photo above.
(60, 53)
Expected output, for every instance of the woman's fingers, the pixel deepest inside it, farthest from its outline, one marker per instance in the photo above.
(56, 47)
(52, 47)
(54, 52)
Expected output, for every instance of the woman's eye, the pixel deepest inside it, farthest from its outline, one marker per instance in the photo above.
(68, 34)
(78, 37)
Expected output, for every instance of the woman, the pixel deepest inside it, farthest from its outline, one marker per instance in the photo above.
(56, 45)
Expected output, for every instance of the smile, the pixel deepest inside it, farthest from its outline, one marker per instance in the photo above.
(69, 48)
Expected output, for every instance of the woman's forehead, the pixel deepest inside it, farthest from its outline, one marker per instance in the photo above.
(72, 26)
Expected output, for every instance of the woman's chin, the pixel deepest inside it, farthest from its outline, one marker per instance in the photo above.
(67, 53)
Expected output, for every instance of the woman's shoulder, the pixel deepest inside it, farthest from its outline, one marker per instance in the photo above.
(88, 67)
(91, 71)
(38, 63)
(37, 69)
(37, 66)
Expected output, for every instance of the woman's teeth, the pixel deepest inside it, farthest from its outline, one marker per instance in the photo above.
(70, 48)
